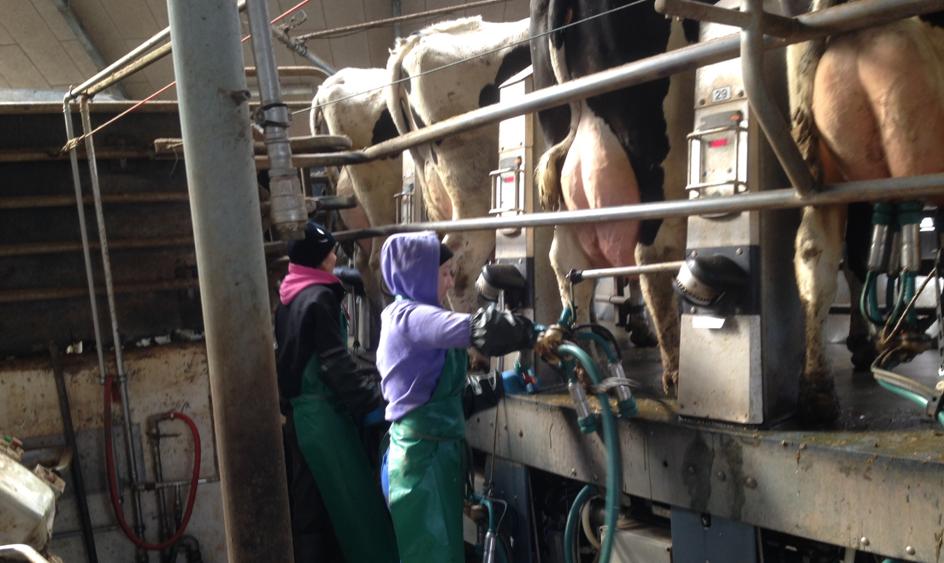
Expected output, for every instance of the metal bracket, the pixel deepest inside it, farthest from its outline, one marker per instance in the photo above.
(935, 406)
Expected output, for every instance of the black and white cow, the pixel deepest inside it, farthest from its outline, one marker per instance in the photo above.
(453, 173)
(351, 102)
(865, 105)
(608, 150)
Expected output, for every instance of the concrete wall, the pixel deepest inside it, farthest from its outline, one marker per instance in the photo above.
(160, 378)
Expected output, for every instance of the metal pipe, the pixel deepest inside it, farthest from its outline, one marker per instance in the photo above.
(83, 233)
(50, 294)
(287, 212)
(107, 76)
(766, 110)
(299, 48)
(41, 248)
(113, 316)
(845, 17)
(140, 63)
(32, 202)
(397, 19)
(912, 187)
(119, 64)
(65, 411)
(224, 200)
(580, 275)
(68, 14)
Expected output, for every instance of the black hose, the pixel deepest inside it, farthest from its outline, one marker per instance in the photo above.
(65, 410)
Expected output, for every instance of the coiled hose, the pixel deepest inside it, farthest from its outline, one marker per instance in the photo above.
(113, 479)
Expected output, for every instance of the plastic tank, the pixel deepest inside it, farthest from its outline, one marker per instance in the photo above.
(27, 502)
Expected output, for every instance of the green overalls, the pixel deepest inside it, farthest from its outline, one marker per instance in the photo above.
(328, 439)
(427, 468)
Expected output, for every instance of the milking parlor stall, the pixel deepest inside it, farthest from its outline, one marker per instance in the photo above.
(720, 217)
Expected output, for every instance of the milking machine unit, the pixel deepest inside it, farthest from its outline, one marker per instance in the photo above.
(521, 257)
(899, 332)
(509, 281)
(737, 284)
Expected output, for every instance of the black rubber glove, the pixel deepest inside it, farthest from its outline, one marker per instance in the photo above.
(496, 333)
(355, 383)
(350, 278)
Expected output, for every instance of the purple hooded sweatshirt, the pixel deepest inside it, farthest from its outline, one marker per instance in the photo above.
(415, 331)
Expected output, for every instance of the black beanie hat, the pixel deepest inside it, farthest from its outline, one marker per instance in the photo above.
(314, 248)
(444, 254)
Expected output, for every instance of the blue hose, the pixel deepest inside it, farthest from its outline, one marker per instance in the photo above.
(603, 343)
(573, 519)
(911, 396)
(614, 470)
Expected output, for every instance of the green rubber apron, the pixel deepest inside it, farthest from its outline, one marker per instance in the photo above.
(426, 466)
(331, 446)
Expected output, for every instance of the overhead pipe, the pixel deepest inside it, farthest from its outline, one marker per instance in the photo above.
(234, 291)
(138, 513)
(786, 198)
(68, 14)
(300, 49)
(838, 19)
(137, 59)
(287, 202)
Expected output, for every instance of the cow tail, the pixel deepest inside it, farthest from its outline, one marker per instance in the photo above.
(802, 61)
(398, 104)
(547, 174)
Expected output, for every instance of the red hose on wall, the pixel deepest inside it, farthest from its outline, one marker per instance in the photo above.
(113, 479)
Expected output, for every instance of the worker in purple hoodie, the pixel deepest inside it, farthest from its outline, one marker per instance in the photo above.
(422, 361)
(336, 505)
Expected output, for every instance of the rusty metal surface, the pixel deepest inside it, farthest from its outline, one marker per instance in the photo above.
(879, 475)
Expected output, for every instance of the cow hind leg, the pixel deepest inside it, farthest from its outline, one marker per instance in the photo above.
(567, 254)
(640, 333)
(659, 296)
(818, 254)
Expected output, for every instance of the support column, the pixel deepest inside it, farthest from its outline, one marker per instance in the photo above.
(227, 227)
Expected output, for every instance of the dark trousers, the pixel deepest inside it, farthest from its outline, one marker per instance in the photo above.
(312, 532)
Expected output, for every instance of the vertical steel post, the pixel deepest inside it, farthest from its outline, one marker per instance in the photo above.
(214, 118)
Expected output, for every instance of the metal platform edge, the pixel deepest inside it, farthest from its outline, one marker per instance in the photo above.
(822, 489)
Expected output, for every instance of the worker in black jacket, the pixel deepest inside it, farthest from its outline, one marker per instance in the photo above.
(327, 395)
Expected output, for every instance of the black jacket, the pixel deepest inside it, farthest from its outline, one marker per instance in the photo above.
(311, 324)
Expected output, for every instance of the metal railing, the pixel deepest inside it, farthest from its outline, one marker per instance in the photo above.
(913, 187)
(838, 19)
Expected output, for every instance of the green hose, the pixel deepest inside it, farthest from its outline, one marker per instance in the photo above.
(868, 299)
(911, 396)
(573, 517)
(614, 470)
(603, 343)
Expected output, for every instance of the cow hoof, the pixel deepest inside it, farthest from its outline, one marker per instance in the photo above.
(670, 382)
(639, 333)
(818, 405)
(863, 351)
